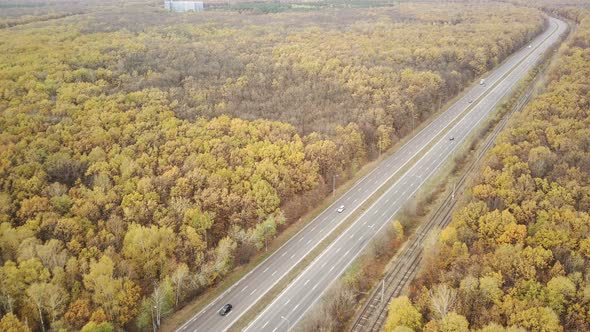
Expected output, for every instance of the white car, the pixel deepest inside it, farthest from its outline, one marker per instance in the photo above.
(482, 82)
(340, 209)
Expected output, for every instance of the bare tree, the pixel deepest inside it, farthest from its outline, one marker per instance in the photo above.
(178, 278)
(316, 320)
(158, 303)
(442, 299)
(161, 301)
(36, 292)
(379, 245)
(56, 300)
(339, 302)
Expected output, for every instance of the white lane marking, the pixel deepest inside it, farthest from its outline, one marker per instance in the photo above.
(300, 239)
(375, 212)
(356, 200)
(295, 308)
(314, 227)
(383, 214)
(292, 256)
(275, 330)
(309, 241)
(284, 253)
(314, 286)
(347, 251)
(306, 282)
(332, 268)
(351, 235)
(365, 222)
(273, 273)
(266, 269)
(263, 326)
(387, 201)
(289, 300)
(337, 250)
(323, 265)
(254, 291)
(361, 238)
(243, 289)
(372, 226)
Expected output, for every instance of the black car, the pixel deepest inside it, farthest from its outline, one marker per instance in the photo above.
(225, 309)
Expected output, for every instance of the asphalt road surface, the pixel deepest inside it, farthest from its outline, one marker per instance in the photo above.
(290, 306)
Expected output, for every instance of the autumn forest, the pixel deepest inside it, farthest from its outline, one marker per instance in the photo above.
(146, 154)
(516, 254)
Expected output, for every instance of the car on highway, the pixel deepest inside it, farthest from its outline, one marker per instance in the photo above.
(452, 138)
(340, 209)
(470, 101)
(482, 82)
(225, 309)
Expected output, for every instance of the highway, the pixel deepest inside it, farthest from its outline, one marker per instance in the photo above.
(407, 261)
(431, 145)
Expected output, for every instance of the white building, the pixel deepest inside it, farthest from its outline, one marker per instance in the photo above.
(183, 6)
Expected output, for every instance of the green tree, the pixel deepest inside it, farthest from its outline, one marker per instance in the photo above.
(560, 291)
(200, 221)
(98, 327)
(149, 250)
(266, 230)
(403, 313)
(536, 319)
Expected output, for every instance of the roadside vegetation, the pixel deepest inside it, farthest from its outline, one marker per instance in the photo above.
(516, 255)
(144, 154)
(341, 300)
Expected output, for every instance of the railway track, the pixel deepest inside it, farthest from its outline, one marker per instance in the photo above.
(405, 267)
